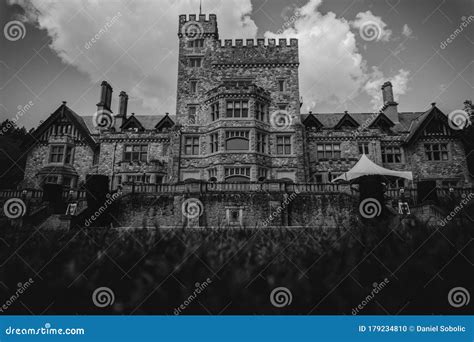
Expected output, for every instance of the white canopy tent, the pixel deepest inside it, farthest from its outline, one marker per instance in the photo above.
(366, 167)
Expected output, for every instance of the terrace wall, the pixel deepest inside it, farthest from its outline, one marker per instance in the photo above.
(290, 209)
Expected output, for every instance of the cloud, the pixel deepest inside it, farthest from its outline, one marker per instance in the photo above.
(373, 86)
(138, 51)
(331, 68)
(137, 46)
(407, 31)
(371, 27)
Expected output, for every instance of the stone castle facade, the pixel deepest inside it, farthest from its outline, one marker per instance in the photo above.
(238, 119)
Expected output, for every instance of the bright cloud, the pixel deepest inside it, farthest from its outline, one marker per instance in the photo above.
(137, 48)
(373, 86)
(331, 68)
(407, 31)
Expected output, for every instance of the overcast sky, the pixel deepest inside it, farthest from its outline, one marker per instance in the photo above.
(342, 65)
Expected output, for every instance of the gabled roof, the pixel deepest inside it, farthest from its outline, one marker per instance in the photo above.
(147, 121)
(423, 120)
(310, 121)
(381, 120)
(346, 119)
(132, 122)
(330, 120)
(166, 120)
(69, 114)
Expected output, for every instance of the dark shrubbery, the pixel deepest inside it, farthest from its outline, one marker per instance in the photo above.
(155, 271)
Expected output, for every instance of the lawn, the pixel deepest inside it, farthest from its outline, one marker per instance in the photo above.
(157, 271)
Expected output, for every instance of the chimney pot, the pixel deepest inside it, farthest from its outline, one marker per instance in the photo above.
(433, 104)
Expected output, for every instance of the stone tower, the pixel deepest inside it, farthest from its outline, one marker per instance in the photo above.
(238, 106)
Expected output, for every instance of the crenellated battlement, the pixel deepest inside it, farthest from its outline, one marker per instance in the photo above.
(256, 51)
(201, 24)
(201, 17)
(259, 42)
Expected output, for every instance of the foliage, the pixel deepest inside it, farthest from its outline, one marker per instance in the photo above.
(153, 271)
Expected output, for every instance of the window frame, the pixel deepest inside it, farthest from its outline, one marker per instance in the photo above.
(215, 111)
(240, 110)
(390, 154)
(214, 142)
(261, 143)
(194, 145)
(193, 62)
(328, 150)
(237, 134)
(430, 152)
(285, 142)
(193, 84)
(281, 85)
(363, 147)
(66, 154)
(138, 151)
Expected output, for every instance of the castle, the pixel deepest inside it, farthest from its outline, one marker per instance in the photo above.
(238, 120)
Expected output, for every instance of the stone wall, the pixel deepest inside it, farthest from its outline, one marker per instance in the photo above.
(38, 157)
(112, 163)
(250, 210)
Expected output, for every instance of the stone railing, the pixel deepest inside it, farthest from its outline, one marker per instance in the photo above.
(36, 194)
(209, 187)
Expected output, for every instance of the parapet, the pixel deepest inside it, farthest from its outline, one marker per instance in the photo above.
(207, 25)
(260, 42)
(260, 51)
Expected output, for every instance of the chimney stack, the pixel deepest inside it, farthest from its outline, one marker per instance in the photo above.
(122, 111)
(105, 97)
(389, 105)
